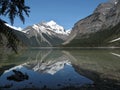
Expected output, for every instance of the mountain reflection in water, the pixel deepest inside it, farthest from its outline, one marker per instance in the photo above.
(56, 69)
(52, 73)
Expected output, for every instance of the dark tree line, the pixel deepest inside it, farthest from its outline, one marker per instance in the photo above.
(12, 9)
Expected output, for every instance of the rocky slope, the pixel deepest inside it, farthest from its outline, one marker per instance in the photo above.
(44, 34)
(99, 28)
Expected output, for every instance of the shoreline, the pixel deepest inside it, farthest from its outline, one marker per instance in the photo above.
(80, 48)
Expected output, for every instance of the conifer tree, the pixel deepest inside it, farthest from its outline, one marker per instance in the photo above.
(12, 9)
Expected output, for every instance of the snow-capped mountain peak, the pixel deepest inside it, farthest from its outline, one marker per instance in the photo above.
(55, 27)
(51, 23)
(46, 34)
(51, 26)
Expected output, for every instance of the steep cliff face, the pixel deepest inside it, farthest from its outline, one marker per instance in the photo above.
(98, 28)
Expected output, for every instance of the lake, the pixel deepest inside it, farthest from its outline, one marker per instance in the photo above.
(52, 69)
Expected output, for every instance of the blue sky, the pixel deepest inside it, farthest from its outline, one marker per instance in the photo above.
(65, 12)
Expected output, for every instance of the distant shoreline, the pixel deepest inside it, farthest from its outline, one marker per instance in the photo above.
(82, 48)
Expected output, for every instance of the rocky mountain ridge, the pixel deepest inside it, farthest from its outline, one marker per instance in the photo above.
(44, 34)
(98, 28)
(102, 28)
(50, 26)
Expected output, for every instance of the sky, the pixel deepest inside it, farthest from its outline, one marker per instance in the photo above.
(64, 12)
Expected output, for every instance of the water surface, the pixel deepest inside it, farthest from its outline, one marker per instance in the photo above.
(56, 69)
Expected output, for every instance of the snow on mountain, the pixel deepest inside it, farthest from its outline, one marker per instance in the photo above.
(116, 2)
(41, 28)
(113, 1)
(44, 27)
(46, 34)
(16, 28)
(115, 40)
(55, 27)
(52, 26)
(68, 31)
(87, 32)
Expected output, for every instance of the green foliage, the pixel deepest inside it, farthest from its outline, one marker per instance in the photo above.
(11, 37)
(13, 8)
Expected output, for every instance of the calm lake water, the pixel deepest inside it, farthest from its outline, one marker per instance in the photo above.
(56, 69)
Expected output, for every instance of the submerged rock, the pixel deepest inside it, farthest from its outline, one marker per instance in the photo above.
(18, 76)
